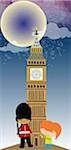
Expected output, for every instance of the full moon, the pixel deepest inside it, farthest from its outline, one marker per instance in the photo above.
(19, 21)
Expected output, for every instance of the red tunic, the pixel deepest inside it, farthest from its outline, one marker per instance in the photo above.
(24, 131)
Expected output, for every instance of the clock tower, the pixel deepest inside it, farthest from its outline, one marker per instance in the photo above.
(36, 89)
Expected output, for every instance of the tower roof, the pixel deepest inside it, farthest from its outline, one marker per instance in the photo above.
(36, 51)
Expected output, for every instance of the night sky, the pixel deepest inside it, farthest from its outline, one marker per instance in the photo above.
(57, 51)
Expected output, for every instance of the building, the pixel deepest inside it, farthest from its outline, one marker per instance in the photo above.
(36, 89)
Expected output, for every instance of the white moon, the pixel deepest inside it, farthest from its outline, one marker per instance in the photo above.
(19, 20)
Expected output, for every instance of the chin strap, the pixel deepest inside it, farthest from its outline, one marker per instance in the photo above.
(17, 128)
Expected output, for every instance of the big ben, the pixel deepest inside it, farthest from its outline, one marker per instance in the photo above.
(36, 89)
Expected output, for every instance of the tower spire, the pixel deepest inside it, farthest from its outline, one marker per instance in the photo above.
(36, 34)
(36, 39)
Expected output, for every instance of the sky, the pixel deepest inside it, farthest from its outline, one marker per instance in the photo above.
(60, 12)
(57, 50)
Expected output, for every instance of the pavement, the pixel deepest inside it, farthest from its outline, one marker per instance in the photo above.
(16, 147)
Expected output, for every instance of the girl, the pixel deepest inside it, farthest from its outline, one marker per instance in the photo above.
(49, 130)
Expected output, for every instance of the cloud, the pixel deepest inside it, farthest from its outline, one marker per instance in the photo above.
(54, 32)
(13, 48)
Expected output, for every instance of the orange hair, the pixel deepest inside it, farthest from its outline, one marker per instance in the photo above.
(51, 126)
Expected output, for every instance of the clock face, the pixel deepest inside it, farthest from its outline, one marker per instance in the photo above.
(36, 74)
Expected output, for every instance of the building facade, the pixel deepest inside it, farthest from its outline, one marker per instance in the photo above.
(36, 90)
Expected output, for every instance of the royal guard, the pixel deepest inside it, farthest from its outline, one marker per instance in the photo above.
(23, 116)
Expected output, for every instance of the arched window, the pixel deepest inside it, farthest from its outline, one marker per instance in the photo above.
(43, 86)
(37, 85)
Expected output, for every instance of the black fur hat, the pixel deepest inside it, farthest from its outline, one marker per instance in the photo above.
(23, 111)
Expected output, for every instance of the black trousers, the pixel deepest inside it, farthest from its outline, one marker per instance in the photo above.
(23, 141)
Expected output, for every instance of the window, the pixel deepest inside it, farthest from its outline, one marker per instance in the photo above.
(43, 86)
(37, 85)
(28, 86)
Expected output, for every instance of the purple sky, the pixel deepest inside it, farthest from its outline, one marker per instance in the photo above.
(57, 11)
